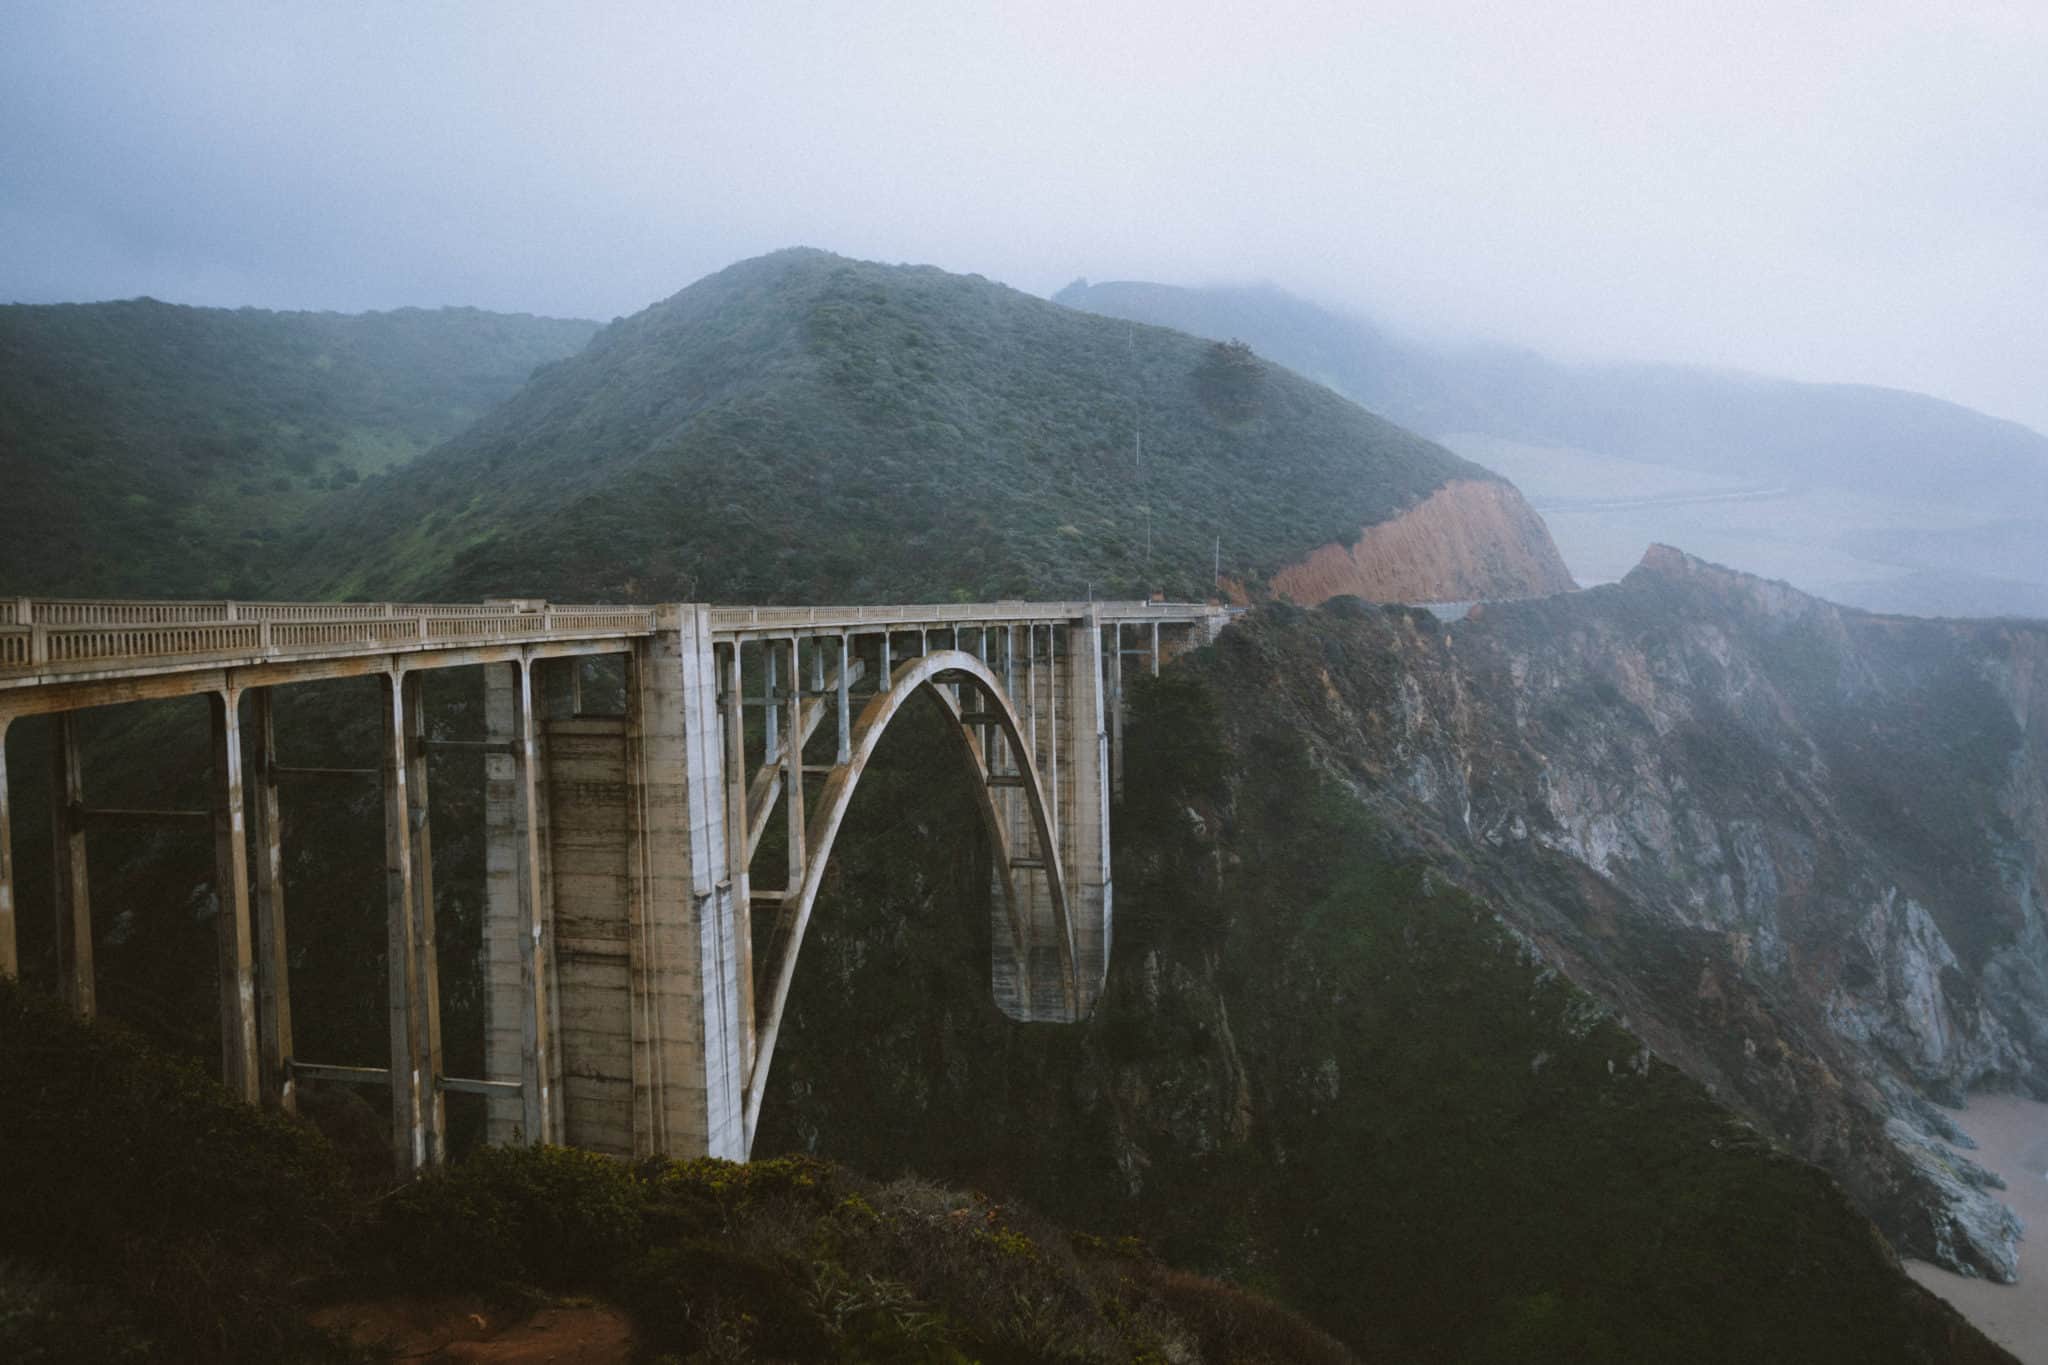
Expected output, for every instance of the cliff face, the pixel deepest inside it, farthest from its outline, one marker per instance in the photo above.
(1801, 849)
(1470, 540)
(1459, 968)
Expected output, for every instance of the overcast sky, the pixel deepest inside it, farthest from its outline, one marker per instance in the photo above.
(1851, 191)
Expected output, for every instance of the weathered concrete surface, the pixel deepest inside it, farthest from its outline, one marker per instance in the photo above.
(590, 847)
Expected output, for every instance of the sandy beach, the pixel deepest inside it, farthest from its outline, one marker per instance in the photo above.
(2012, 1139)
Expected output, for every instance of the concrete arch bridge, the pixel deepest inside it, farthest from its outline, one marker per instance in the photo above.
(637, 954)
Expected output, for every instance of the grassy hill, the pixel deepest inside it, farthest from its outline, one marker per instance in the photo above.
(161, 449)
(802, 426)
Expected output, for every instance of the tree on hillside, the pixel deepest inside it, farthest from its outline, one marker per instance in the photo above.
(1229, 379)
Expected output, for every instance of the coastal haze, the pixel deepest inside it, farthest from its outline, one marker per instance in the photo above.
(1589, 972)
(1825, 192)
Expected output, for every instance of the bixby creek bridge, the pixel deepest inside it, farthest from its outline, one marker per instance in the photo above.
(623, 1007)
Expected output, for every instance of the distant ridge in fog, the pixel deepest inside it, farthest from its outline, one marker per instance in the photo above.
(1667, 414)
(1886, 488)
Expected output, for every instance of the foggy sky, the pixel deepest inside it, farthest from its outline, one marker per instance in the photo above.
(1847, 191)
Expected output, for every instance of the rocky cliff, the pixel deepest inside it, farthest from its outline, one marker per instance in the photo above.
(1527, 971)
(1469, 540)
(1801, 849)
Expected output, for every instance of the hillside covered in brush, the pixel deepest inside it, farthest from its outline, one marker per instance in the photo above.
(806, 427)
(152, 1218)
(161, 450)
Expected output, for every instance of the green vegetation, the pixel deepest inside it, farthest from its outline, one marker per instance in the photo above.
(806, 427)
(797, 1259)
(162, 450)
(151, 1218)
(1229, 379)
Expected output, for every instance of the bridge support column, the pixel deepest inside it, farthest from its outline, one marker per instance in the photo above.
(505, 865)
(10, 959)
(733, 778)
(401, 965)
(238, 1067)
(426, 954)
(1084, 838)
(690, 1075)
(1062, 706)
(273, 971)
(1115, 708)
(69, 881)
(643, 933)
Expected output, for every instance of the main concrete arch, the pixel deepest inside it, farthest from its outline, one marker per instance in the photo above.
(929, 677)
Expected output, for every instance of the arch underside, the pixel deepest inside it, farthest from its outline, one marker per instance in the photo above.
(930, 677)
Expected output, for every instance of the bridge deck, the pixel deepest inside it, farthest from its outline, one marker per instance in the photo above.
(46, 641)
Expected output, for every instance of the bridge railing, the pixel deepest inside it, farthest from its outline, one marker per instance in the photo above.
(739, 619)
(79, 647)
(40, 634)
(65, 611)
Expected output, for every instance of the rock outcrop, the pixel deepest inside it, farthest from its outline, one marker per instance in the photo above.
(1470, 540)
(1800, 848)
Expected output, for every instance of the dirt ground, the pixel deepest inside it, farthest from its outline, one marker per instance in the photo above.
(468, 1329)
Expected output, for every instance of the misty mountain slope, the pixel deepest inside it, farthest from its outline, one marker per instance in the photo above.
(1683, 415)
(1865, 494)
(153, 449)
(802, 426)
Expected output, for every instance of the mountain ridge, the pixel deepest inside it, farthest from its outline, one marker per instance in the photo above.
(903, 425)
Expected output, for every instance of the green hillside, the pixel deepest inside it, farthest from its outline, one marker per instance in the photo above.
(161, 449)
(805, 427)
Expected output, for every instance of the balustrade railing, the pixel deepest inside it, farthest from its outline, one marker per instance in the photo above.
(62, 611)
(78, 641)
(61, 634)
(741, 619)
